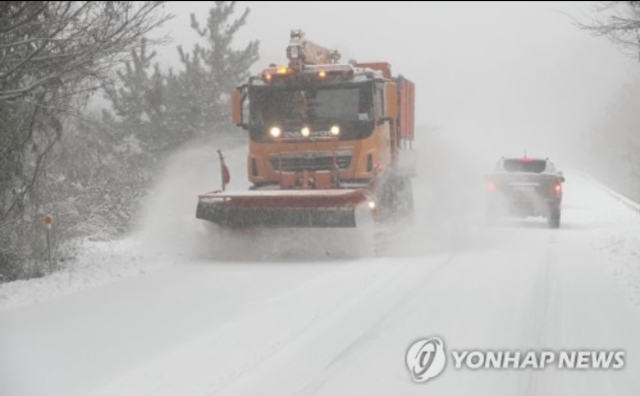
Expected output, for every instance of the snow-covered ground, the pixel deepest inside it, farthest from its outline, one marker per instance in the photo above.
(181, 308)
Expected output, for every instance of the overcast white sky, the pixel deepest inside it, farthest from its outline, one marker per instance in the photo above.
(505, 76)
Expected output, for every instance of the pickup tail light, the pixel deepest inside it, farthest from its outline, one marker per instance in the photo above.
(557, 188)
(491, 187)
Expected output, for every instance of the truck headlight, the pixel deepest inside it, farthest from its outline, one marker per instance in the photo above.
(335, 130)
(305, 131)
(275, 131)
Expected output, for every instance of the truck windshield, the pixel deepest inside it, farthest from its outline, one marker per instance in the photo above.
(525, 165)
(350, 107)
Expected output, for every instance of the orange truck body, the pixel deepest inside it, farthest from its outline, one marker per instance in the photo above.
(324, 139)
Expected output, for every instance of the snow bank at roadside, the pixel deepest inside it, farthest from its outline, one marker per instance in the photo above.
(97, 263)
(617, 234)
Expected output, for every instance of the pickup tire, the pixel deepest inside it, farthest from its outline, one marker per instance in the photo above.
(554, 218)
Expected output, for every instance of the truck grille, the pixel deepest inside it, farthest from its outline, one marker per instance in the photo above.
(311, 161)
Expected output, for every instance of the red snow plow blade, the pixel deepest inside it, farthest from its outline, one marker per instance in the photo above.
(282, 208)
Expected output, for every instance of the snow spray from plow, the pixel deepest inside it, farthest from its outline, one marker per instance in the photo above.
(168, 227)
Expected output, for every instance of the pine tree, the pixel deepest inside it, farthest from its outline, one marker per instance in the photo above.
(135, 100)
(164, 111)
(138, 102)
(214, 69)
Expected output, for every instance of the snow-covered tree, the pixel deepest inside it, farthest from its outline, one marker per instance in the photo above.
(52, 55)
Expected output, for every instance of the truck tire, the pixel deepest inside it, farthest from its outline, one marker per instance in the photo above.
(407, 196)
(395, 197)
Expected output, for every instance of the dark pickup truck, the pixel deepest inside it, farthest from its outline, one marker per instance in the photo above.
(525, 187)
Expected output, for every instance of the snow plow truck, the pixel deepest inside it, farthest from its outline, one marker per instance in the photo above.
(325, 138)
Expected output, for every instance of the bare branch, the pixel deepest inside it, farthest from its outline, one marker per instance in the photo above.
(621, 24)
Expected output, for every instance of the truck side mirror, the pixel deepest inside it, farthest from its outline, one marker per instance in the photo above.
(238, 100)
(561, 177)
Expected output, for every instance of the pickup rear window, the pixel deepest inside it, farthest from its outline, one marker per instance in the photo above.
(524, 165)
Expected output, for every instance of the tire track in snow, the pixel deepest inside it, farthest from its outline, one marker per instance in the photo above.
(354, 347)
(340, 336)
(539, 303)
(283, 320)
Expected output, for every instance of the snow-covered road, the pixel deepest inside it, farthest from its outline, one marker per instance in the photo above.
(335, 326)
